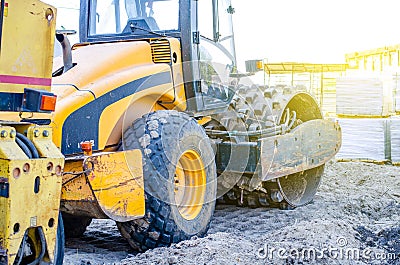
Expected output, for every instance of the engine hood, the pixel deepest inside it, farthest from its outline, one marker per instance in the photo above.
(99, 88)
(95, 62)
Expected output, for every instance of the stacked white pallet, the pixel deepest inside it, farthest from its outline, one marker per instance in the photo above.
(395, 139)
(396, 84)
(329, 104)
(365, 139)
(329, 95)
(364, 96)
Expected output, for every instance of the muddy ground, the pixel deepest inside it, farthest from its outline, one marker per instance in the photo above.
(354, 219)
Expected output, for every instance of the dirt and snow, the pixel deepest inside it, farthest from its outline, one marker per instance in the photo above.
(354, 219)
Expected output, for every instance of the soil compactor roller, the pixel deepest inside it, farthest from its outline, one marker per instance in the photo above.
(155, 123)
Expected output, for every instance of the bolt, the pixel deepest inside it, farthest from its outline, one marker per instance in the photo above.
(4, 134)
(36, 133)
(46, 133)
(13, 134)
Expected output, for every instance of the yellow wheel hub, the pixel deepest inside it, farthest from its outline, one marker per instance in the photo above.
(190, 184)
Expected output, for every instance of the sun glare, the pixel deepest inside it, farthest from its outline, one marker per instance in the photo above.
(313, 30)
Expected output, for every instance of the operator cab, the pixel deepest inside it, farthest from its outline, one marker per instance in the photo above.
(134, 18)
(204, 29)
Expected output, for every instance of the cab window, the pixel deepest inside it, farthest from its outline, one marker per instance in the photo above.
(132, 16)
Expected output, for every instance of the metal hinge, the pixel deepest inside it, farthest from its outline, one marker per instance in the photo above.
(197, 85)
(196, 37)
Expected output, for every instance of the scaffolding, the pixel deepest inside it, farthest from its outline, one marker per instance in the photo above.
(377, 60)
(317, 79)
(384, 61)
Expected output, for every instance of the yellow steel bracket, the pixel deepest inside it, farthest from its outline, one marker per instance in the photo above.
(111, 181)
(29, 189)
(116, 180)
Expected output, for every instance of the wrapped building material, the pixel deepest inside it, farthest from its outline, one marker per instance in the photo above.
(363, 96)
(395, 139)
(329, 104)
(365, 139)
(396, 83)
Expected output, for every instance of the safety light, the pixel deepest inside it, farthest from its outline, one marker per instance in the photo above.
(87, 147)
(253, 66)
(48, 102)
(259, 65)
(36, 100)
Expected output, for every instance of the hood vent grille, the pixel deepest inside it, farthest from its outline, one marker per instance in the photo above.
(161, 51)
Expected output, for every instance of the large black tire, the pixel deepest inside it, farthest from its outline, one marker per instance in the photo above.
(169, 138)
(75, 226)
(60, 244)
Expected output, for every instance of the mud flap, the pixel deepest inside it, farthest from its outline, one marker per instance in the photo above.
(116, 180)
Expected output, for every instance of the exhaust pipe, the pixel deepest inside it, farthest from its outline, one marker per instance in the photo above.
(67, 53)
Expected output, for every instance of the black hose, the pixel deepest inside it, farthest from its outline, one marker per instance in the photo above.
(43, 247)
(34, 152)
(24, 148)
(20, 255)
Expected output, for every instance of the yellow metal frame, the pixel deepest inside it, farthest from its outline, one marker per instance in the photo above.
(26, 48)
(377, 59)
(24, 208)
(291, 68)
(32, 55)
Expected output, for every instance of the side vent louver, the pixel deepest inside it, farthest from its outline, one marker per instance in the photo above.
(161, 51)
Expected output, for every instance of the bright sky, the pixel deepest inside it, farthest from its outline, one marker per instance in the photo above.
(318, 31)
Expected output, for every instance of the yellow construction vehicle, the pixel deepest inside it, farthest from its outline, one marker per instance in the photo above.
(30, 163)
(155, 124)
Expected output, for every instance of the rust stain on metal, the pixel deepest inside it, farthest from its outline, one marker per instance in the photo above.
(114, 180)
(117, 183)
